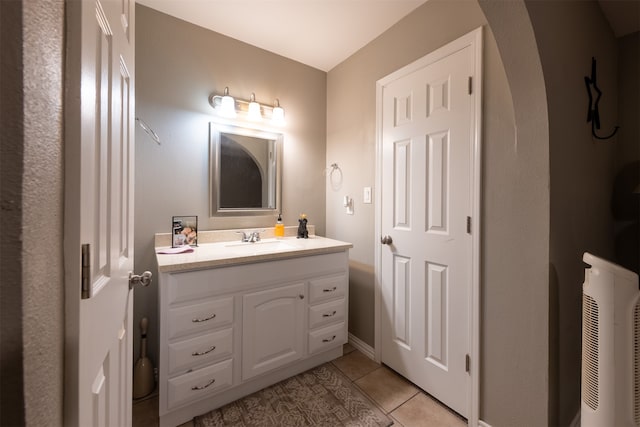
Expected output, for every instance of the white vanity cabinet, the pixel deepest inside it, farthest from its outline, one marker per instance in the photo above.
(231, 329)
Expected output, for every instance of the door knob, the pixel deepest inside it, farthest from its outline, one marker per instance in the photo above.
(386, 240)
(143, 279)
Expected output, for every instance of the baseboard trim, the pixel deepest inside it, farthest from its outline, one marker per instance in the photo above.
(362, 346)
(483, 424)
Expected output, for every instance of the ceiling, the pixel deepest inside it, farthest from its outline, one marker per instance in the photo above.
(323, 33)
(623, 15)
(319, 33)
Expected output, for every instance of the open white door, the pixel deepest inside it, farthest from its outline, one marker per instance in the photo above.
(429, 173)
(98, 247)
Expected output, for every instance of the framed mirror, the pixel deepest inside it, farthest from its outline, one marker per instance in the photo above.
(245, 171)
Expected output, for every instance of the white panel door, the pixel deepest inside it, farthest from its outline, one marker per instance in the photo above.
(99, 212)
(426, 197)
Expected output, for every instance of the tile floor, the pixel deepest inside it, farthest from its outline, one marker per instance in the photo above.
(406, 404)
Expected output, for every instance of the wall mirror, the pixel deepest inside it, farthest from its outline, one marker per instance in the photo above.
(245, 171)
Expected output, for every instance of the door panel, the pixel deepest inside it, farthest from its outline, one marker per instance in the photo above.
(272, 328)
(402, 184)
(402, 300)
(437, 314)
(437, 182)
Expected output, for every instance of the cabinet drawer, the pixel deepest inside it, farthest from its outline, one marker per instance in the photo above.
(200, 317)
(186, 354)
(324, 314)
(326, 338)
(327, 288)
(199, 384)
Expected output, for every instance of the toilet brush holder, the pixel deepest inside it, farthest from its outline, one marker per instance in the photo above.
(143, 379)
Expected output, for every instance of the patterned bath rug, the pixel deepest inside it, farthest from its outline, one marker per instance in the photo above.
(321, 396)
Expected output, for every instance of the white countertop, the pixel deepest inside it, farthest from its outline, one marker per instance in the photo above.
(220, 254)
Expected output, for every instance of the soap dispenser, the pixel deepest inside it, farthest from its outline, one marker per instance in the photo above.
(279, 229)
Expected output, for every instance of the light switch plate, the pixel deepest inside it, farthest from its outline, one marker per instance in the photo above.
(366, 196)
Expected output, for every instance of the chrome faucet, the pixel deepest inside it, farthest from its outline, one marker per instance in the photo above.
(250, 236)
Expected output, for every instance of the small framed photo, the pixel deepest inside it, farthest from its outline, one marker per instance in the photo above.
(184, 231)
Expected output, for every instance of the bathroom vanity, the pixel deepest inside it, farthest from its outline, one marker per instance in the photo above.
(238, 317)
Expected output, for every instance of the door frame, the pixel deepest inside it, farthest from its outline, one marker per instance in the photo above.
(474, 40)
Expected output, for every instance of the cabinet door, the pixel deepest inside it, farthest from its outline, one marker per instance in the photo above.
(272, 328)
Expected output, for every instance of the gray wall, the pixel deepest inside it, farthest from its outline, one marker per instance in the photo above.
(178, 65)
(569, 34)
(515, 184)
(32, 297)
(627, 155)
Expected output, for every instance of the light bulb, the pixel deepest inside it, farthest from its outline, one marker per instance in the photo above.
(277, 116)
(228, 105)
(254, 109)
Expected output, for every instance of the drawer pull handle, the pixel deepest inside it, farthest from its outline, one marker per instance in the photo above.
(329, 339)
(203, 320)
(331, 289)
(195, 387)
(329, 314)
(202, 353)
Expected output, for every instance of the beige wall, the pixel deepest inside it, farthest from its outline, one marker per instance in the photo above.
(32, 202)
(627, 155)
(43, 294)
(569, 34)
(11, 171)
(627, 145)
(515, 183)
(178, 65)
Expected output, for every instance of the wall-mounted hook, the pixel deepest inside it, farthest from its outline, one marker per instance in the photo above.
(593, 115)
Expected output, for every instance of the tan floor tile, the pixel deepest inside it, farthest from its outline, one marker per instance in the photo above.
(386, 388)
(355, 365)
(347, 348)
(423, 411)
(396, 423)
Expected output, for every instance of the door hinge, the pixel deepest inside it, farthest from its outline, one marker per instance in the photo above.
(469, 224)
(85, 286)
(467, 363)
(470, 85)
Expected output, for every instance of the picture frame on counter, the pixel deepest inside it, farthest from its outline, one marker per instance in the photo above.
(184, 231)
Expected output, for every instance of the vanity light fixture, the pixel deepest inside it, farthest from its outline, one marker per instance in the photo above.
(229, 107)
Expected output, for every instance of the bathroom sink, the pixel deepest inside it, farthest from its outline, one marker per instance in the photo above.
(261, 247)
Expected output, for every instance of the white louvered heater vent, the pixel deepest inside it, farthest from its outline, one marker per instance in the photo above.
(590, 352)
(610, 345)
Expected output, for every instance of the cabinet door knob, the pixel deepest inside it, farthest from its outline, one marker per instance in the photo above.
(301, 296)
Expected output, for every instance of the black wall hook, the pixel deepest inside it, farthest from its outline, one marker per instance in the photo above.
(593, 115)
